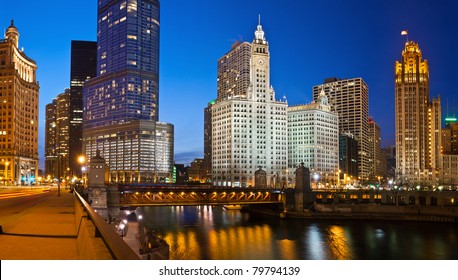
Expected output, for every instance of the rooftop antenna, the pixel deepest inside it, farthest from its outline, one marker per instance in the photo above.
(454, 103)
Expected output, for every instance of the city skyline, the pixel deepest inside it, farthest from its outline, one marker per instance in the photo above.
(308, 42)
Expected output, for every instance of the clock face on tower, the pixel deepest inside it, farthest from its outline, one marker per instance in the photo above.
(260, 61)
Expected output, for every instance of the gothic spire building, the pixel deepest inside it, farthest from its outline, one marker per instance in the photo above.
(418, 120)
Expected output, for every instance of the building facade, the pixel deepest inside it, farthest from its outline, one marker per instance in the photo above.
(82, 68)
(390, 154)
(418, 121)
(63, 136)
(57, 138)
(19, 119)
(350, 99)
(313, 139)
(348, 158)
(378, 158)
(164, 152)
(197, 172)
(249, 127)
(207, 161)
(50, 140)
(449, 140)
(121, 103)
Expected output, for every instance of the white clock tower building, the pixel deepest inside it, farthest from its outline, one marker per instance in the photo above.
(249, 127)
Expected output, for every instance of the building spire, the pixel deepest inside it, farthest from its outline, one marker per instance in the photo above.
(259, 33)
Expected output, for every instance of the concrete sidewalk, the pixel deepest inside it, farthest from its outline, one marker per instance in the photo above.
(46, 231)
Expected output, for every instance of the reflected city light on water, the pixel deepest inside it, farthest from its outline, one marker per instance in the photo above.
(315, 239)
(338, 243)
(213, 233)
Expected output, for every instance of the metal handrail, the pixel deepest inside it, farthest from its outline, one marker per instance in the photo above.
(117, 247)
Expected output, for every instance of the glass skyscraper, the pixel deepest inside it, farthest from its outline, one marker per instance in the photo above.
(127, 83)
(121, 102)
(83, 67)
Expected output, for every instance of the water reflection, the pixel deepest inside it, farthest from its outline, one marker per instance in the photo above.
(338, 243)
(209, 232)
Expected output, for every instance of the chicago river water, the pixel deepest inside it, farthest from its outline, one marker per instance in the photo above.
(214, 233)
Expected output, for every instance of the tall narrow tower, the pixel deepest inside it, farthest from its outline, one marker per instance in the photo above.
(83, 68)
(417, 119)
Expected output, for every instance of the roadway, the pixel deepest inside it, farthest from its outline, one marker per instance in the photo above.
(15, 201)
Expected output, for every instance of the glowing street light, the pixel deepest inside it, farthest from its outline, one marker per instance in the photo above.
(122, 226)
(81, 159)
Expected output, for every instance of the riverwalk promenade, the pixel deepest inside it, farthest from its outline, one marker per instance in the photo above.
(47, 230)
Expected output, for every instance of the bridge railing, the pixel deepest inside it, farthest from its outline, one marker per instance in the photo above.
(114, 243)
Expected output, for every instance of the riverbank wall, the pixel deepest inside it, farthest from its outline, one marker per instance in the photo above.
(415, 213)
(419, 213)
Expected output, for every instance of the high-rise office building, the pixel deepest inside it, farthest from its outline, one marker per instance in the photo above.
(19, 122)
(450, 137)
(377, 156)
(417, 120)
(82, 67)
(234, 72)
(63, 135)
(50, 140)
(127, 83)
(164, 152)
(249, 127)
(348, 157)
(121, 103)
(57, 137)
(350, 98)
(207, 161)
(313, 139)
(390, 154)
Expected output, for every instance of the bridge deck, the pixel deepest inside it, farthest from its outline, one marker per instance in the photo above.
(166, 196)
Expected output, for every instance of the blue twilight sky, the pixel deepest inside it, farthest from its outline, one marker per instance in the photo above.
(309, 41)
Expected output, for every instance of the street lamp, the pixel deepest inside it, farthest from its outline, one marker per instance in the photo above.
(396, 194)
(6, 171)
(58, 173)
(82, 161)
(316, 177)
(338, 178)
(122, 226)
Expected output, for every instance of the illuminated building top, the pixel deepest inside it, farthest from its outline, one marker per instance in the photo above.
(412, 68)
